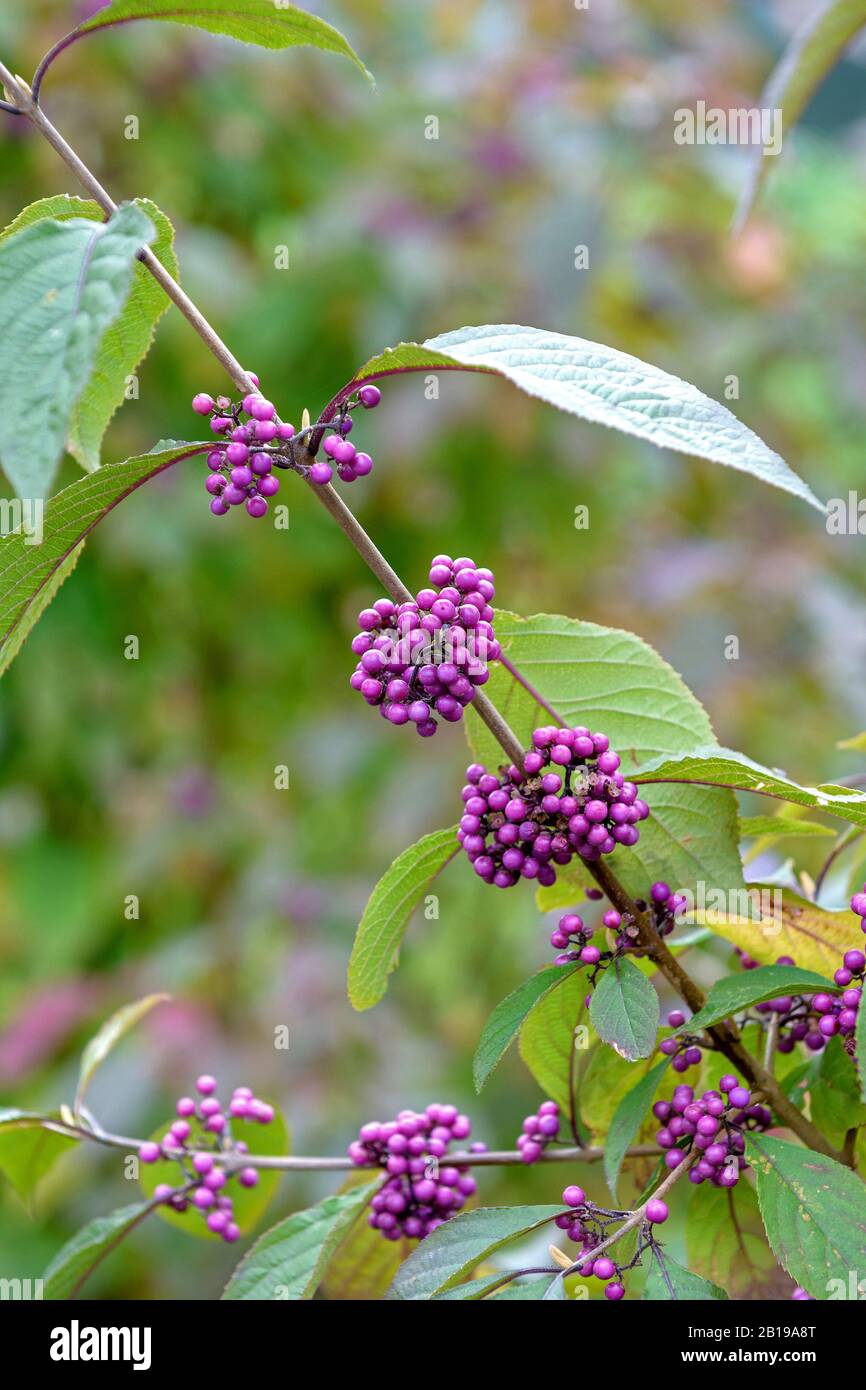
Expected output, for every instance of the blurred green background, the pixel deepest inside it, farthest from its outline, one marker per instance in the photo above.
(155, 776)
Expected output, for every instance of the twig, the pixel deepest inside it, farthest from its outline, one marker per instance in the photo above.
(848, 837)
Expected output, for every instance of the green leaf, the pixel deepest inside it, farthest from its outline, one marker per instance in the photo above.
(625, 1010)
(287, 1263)
(858, 743)
(599, 384)
(834, 1095)
(726, 1243)
(604, 1080)
(770, 828)
(377, 941)
(504, 1024)
(27, 571)
(547, 1040)
(813, 50)
(613, 681)
(685, 1285)
(250, 1203)
(28, 1151)
(364, 1264)
(630, 1115)
(454, 1249)
(107, 1038)
(61, 285)
(737, 992)
(722, 767)
(79, 1257)
(10, 648)
(814, 1212)
(126, 341)
(261, 22)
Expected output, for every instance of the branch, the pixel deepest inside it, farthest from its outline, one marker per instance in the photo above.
(726, 1040)
(634, 1219)
(293, 1163)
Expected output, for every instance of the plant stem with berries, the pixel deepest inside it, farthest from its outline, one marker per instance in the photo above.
(294, 1163)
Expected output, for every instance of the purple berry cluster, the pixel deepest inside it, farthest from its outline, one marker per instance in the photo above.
(526, 822)
(199, 1136)
(538, 1131)
(667, 907)
(253, 441)
(712, 1126)
(588, 1224)
(420, 1192)
(571, 937)
(350, 463)
(814, 1019)
(241, 466)
(684, 1050)
(585, 1225)
(428, 656)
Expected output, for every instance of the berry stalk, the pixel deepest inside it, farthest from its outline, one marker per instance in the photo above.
(725, 1038)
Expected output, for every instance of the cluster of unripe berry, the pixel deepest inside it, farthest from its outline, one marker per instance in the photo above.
(713, 1125)
(241, 466)
(428, 656)
(814, 1019)
(526, 822)
(538, 1131)
(200, 1136)
(421, 1192)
